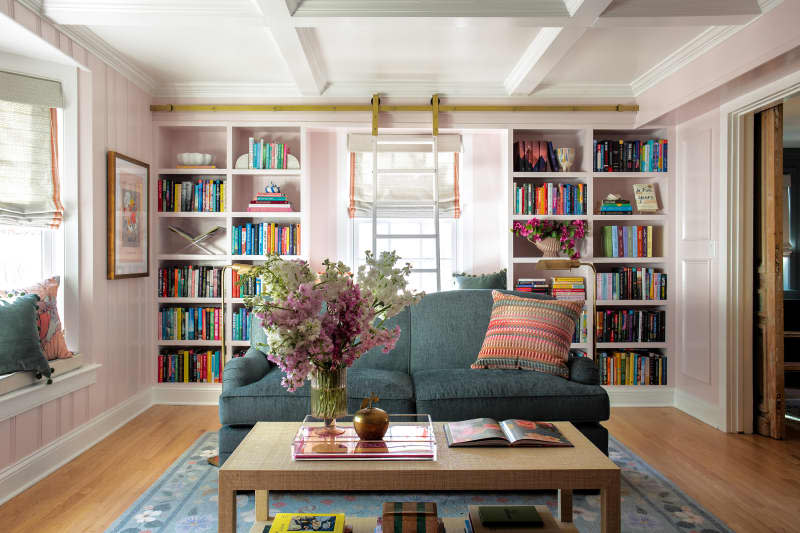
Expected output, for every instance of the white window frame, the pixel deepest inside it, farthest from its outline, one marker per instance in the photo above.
(68, 173)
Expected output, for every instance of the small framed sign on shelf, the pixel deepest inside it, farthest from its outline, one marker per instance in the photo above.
(128, 213)
(646, 201)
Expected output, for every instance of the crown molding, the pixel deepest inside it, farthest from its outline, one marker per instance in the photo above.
(110, 56)
(93, 44)
(584, 90)
(414, 88)
(690, 51)
(211, 89)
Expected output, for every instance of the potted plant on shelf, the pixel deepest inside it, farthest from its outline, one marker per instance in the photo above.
(318, 325)
(552, 236)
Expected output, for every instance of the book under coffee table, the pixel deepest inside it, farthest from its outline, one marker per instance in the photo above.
(263, 462)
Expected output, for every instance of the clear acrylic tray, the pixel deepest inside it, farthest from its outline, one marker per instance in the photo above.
(409, 438)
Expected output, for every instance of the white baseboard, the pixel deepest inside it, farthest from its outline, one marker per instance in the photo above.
(187, 393)
(635, 396)
(700, 409)
(24, 473)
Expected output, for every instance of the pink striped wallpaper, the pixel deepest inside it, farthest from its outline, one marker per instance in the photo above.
(113, 115)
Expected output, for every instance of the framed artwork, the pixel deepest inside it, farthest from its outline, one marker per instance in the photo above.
(128, 217)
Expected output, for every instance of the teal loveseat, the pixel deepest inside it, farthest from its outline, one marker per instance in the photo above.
(427, 372)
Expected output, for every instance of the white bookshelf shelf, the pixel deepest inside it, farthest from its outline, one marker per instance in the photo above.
(632, 303)
(523, 256)
(554, 175)
(189, 343)
(226, 139)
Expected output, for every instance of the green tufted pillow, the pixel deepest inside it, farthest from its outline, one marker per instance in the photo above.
(496, 280)
(20, 349)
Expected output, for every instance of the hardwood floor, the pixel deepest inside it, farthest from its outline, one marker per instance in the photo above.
(752, 483)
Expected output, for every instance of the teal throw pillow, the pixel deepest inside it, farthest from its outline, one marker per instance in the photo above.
(496, 280)
(20, 349)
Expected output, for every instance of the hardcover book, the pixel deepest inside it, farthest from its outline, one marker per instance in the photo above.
(514, 432)
(286, 522)
(645, 194)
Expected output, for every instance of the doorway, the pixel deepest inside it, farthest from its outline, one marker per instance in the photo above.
(791, 258)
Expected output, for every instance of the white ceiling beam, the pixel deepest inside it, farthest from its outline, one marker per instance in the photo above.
(549, 9)
(549, 47)
(298, 46)
(649, 13)
(152, 13)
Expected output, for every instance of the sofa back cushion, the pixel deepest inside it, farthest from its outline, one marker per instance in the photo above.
(398, 358)
(447, 328)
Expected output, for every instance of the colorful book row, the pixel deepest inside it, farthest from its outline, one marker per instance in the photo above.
(263, 155)
(630, 156)
(266, 238)
(549, 199)
(628, 241)
(190, 281)
(630, 325)
(535, 156)
(240, 323)
(632, 283)
(202, 196)
(190, 366)
(632, 368)
(189, 323)
(581, 334)
(249, 287)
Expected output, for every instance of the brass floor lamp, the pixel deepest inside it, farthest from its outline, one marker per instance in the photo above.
(570, 264)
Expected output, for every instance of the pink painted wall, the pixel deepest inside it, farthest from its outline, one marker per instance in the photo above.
(771, 36)
(113, 115)
(324, 175)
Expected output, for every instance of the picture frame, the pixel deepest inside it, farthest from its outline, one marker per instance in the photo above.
(128, 217)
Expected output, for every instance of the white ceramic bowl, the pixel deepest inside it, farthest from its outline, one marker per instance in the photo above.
(194, 158)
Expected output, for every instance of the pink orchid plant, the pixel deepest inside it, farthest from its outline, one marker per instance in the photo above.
(568, 233)
(327, 321)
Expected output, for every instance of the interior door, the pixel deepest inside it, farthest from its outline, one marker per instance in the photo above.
(768, 257)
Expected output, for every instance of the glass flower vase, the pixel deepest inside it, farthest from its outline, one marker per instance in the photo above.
(329, 396)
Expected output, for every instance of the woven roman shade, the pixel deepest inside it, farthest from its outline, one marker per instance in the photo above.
(403, 195)
(29, 180)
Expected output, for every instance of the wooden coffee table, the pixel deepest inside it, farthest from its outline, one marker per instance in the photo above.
(263, 462)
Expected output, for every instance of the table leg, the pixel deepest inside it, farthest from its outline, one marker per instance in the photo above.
(227, 507)
(262, 506)
(565, 505)
(610, 507)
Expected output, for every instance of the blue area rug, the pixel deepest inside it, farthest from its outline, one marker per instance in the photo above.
(184, 499)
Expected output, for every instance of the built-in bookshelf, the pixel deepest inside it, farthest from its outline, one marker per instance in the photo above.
(216, 197)
(594, 186)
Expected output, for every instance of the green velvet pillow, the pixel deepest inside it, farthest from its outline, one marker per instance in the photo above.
(20, 349)
(496, 280)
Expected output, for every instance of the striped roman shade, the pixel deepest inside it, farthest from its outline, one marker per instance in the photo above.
(529, 334)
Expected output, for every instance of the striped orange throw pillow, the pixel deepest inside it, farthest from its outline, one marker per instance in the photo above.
(529, 334)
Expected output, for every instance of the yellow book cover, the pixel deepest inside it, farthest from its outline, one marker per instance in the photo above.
(209, 374)
(222, 196)
(286, 522)
(186, 366)
(649, 241)
(176, 199)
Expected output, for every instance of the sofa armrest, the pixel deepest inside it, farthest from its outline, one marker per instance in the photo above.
(583, 370)
(242, 371)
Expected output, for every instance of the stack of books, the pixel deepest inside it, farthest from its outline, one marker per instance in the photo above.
(269, 202)
(263, 155)
(628, 241)
(190, 366)
(630, 156)
(630, 325)
(509, 519)
(569, 288)
(616, 207)
(632, 368)
(537, 285)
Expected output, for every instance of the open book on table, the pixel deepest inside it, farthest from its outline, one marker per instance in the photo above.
(514, 432)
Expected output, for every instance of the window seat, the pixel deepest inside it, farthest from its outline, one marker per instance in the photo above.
(21, 391)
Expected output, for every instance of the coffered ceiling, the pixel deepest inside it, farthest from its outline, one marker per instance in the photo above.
(500, 48)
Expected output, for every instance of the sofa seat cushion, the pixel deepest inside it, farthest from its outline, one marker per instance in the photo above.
(463, 393)
(267, 400)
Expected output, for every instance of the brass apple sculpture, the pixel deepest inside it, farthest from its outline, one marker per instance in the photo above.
(371, 423)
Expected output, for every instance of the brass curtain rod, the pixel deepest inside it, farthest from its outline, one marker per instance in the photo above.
(170, 108)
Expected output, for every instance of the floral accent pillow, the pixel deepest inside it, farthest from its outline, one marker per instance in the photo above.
(51, 334)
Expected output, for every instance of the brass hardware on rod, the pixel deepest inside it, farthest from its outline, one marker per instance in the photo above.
(443, 108)
(376, 103)
(435, 106)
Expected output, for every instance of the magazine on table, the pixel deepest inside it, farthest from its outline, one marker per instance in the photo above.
(512, 432)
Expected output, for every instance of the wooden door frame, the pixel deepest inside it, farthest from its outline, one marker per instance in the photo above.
(736, 349)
